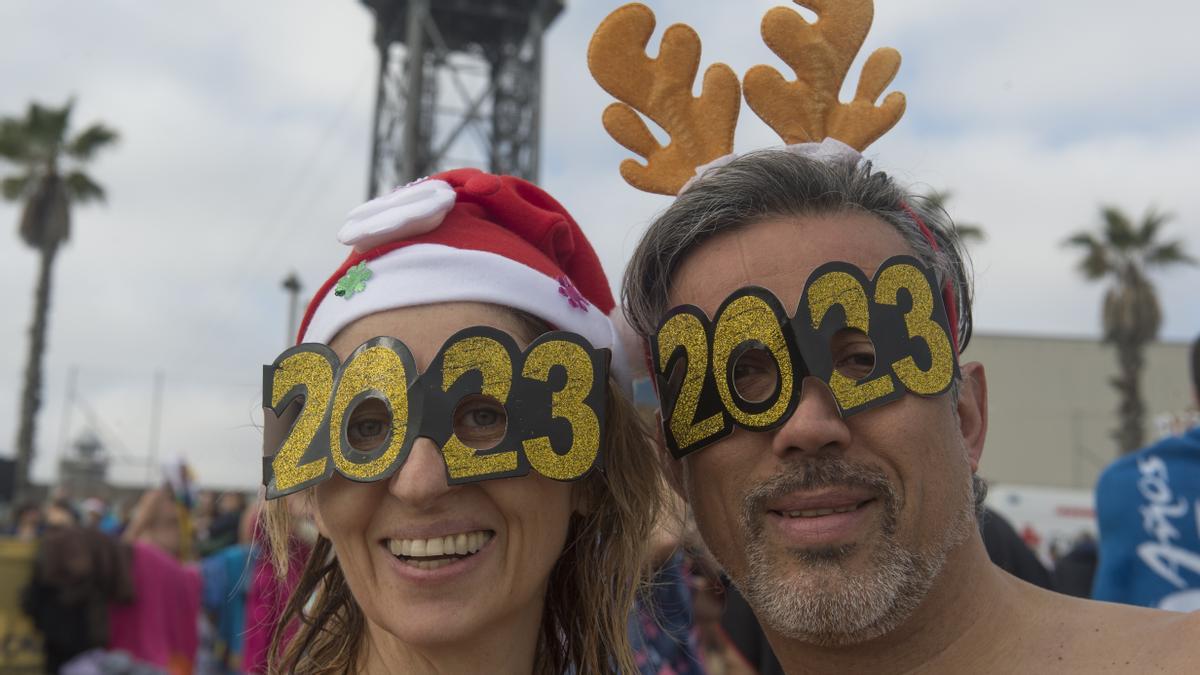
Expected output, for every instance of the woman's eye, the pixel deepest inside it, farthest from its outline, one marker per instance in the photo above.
(480, 421)
(368, 425)
(366, 434)
(368, 428)
(483, 417)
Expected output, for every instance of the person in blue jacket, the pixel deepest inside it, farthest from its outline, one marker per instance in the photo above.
(1148, 508)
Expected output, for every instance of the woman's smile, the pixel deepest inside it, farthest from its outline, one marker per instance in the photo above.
(440, 554)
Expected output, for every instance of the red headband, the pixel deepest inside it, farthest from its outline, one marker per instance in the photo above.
(948, 289)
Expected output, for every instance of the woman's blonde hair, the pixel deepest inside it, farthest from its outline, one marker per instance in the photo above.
(591, 590)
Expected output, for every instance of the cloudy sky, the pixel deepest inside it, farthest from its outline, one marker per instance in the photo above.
(245, 139)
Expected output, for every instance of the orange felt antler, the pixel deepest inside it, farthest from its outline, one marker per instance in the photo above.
(701, 128)
(807, 109)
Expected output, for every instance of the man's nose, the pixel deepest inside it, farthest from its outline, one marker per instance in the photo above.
(421, 480)
(815, 424)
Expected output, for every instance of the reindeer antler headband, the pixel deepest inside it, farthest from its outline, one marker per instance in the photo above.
(701, 128)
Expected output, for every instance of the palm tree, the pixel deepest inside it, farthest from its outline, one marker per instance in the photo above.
(48, 181)
(1122, 253)
(969, 233)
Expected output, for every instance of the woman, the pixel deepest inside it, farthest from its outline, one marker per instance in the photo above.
(159, 625)
(522, 574)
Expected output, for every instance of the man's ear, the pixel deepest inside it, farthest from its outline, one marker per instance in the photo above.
(972, 411)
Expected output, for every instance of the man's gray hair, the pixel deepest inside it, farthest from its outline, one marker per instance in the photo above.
(775, 183)
(780, 183)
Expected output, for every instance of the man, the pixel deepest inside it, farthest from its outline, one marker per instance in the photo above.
(854, 537)
(1148, 508)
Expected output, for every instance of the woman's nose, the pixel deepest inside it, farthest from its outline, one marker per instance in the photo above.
(422, 477)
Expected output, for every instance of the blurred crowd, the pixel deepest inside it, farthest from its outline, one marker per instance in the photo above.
(173, 582)
(178, 584)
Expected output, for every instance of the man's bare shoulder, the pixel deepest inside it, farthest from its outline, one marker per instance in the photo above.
(1102, 637)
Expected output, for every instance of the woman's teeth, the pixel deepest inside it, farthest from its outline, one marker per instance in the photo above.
(430, 554)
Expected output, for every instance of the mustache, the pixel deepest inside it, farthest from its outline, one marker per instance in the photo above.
(812, 473)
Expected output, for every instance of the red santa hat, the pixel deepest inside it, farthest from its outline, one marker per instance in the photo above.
(466, 235)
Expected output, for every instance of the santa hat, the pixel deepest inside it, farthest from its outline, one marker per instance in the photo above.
(466, 235)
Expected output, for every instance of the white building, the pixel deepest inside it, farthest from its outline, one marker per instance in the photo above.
(1052, 410)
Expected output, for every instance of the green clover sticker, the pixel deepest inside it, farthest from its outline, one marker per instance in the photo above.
(354, 281)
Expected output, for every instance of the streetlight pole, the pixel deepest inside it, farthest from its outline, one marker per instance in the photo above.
(292, 285)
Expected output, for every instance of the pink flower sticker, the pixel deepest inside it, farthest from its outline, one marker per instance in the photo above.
(574, 298)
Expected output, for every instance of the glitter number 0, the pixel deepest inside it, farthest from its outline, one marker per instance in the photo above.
(750, 319)
(307, 375)
(490, 359)
(687, 332)
(920, 324)
(379, 369)
(567, 403)
(840, 288)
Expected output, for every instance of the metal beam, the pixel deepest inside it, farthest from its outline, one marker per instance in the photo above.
(466, 65)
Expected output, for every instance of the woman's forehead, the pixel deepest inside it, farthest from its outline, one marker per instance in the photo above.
(424, 328)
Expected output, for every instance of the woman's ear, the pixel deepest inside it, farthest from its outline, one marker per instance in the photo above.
(972, 411)
(306, 504)
(583, 496)
(672, 468)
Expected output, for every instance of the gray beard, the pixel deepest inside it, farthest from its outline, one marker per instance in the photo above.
(823, 603)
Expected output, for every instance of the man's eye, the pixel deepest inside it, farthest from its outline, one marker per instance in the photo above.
(857, 363)
(853, 353)
(755, 375)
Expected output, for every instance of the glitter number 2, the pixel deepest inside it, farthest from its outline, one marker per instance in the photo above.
(686, 332)
(491, 360)
(840, 288)
(308, 376)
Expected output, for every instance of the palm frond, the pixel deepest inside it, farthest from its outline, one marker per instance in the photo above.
(969, 232)
(1097, 261)
(936, 199)
(1152, 222)
(1081, 239)
(1118, 229)
(15, 188)
(1170, 253)
(47, 127)
(82, 189)
(84, 146)
(14, 140)
(1096, 264)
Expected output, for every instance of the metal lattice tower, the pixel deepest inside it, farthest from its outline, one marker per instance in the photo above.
(459, 85)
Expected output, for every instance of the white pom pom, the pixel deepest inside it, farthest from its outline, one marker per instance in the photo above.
(404, 212)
